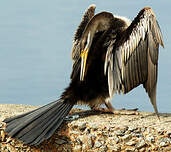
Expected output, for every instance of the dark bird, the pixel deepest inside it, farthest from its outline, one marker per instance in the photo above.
(110, 55)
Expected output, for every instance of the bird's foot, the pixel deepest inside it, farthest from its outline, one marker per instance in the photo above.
(120, 111)
(126, 111)
(117, 111)
(101, 109)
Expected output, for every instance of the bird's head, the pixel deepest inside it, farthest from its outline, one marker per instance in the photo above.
(100, 22)
(85, 45)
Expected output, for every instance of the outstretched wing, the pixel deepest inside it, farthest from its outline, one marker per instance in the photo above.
(133, 60)
(78, 34)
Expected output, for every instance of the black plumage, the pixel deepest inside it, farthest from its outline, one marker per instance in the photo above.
(110, 55)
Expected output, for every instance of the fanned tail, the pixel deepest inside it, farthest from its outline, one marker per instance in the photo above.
(35, 126)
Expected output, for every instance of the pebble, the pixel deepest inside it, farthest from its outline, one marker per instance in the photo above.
(114, 148)
(82, 126)
(105, 133)
(130, 149)
(169, 133)
(77, 148)
(95, 127)
(78, 141)
(143, 129)
(75, 132)
(150, 138)
(136, 134)
(97, 144)
(103, 148)
(126, 137)
(60, 141)
(84, 147)
(89, 142)
(142, 150)
(130, 143)
(119, 132)
(164, 141)
(116, 139)
(140, 144)
(92, 137)
(132, 128)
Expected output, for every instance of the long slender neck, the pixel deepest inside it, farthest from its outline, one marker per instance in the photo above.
(99, 22)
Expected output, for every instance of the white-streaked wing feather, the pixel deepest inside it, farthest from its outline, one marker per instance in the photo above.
(136, 56)
(89, 13)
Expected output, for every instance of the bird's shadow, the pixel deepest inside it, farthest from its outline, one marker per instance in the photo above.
(83, 114)
(161, 115)
(86, 113)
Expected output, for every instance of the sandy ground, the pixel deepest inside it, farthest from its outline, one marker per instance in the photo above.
(104, 132)
(143, 119)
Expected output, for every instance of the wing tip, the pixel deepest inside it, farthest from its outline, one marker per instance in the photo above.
(149, 9)
(92, 6)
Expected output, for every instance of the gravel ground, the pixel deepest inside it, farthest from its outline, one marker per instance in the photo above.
(94, 131)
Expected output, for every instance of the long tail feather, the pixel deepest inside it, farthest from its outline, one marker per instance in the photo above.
(35, 126)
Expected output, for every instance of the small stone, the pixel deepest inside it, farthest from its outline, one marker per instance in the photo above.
(126, 137)
(143, 129)
(168, 133)
(105, 133)
(90, 143)
(151, 139)
(140, 144)
(114, 148)
(111, 129)
(8, 140)
(168, 148)
(116, 139)
(82, 126)
(103, 148)
(124, 128)
(75, 132)
(2, 135)
(97, 144)
(119, 133)
(71, 117)
(160, 131)
(92, 137)
(130, 143)
(95, 127)
(162, 144)
(77, 148)
(132, 128)
(137, 135)
(78, 141)
(60, 141)
(84, 147)
(130, 149)
(87, 131)
(164, 141)
(142, 150)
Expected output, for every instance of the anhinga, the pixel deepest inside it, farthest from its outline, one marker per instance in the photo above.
(110, 55)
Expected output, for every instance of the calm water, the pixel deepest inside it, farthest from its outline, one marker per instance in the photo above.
(35, 47)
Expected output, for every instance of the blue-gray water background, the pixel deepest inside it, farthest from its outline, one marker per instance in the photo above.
(35, 47)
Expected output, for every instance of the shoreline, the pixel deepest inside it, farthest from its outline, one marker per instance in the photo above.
(98, 132)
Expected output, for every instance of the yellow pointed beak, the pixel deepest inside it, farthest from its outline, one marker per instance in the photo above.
(84, 54)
